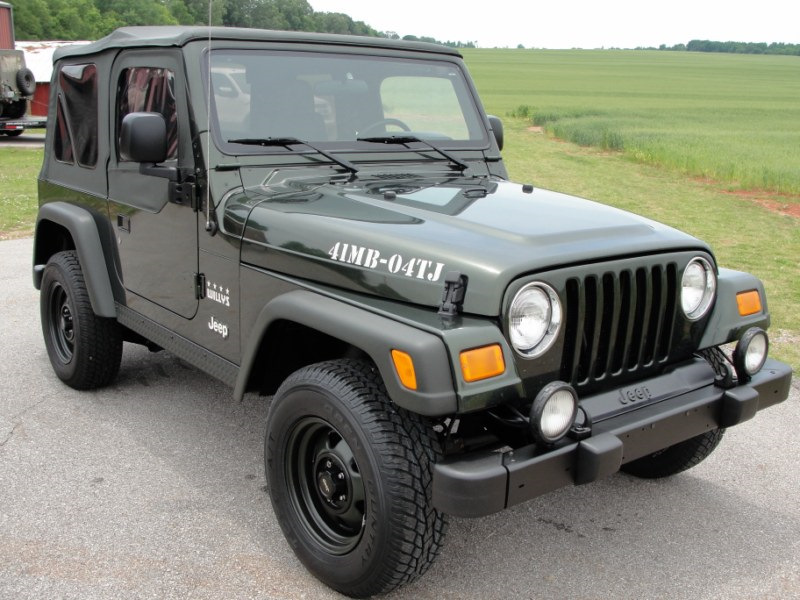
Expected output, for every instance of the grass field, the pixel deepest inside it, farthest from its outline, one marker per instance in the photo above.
(19, 168)
(729, 117)
(707, 143)
(668, 112)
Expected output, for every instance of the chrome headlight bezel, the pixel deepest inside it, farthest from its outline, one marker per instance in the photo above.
(539, 302)
(696, 300)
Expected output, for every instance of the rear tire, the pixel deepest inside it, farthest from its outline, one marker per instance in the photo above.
(26, 82)
(84, 349)
(15, 110)
(677, 458)
(350, 478)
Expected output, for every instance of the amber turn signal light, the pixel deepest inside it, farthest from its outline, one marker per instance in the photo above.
(404, 365)
(749, 302)
(482, 363)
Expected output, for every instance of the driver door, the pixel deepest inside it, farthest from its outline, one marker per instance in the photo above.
(156, 231)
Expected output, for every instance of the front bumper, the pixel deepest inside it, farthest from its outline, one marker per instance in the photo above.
(481, 483)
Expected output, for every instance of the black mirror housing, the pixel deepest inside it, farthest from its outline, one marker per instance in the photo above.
(143, 138)
(497, 129)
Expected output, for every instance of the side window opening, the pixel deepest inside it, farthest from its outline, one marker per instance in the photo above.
(76, 115)
(63, 140)
(149, 89)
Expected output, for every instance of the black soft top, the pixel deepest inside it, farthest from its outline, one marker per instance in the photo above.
(133, 37)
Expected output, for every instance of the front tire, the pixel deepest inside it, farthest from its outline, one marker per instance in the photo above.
(85, 350)
(350, 477)
(677, 458)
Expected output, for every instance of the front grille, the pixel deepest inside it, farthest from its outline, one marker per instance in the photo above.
(618, 323)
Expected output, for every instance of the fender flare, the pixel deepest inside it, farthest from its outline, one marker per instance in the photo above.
(83, 228)
(725, 324)
(376, 335)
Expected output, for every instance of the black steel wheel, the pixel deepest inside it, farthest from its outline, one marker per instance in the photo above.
(85, 350)
(350, 478)
(325, 485)
(677, 458)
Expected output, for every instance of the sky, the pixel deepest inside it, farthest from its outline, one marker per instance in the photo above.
(578, 23)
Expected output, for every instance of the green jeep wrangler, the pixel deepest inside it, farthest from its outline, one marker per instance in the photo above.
(327, 220)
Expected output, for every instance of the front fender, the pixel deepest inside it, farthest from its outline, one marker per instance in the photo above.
(374, 334)
(725, 323)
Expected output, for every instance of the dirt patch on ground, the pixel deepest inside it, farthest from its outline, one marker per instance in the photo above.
(784, 205)
(536, 129)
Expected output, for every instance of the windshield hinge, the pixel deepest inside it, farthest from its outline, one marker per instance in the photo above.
(455, 288)
(199, 286)
(184, 193)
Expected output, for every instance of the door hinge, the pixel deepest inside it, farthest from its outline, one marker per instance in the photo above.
(455, 287)
(184, 193)
(199, 286)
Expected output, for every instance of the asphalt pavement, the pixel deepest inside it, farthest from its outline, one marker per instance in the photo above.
(28, 139)
(154, 488)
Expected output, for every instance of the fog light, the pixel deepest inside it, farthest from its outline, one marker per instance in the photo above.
(750, 353)
(553, 412)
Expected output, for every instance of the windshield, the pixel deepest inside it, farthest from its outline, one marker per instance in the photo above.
(333, 99)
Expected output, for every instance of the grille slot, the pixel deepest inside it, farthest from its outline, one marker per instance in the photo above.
(618, 323)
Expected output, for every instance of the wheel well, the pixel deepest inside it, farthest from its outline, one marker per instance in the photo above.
(286, 347)
(51, 238)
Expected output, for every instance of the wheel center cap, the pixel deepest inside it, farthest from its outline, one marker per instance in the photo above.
(326, 485)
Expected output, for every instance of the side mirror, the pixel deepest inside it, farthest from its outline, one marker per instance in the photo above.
(497, 129)
(143, 138)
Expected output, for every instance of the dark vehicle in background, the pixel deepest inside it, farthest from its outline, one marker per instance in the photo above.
(17, 83)
(327, 220)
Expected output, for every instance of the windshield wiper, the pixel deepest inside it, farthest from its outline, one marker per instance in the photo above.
(407, 139)
(290, 141)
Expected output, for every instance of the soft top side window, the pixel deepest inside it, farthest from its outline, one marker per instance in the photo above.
(149, 89)
(76, 115)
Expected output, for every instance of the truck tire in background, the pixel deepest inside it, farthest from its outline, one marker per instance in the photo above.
(26, 82)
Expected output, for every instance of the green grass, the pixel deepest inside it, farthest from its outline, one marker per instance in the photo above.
(731, 118)
(18, 204)
(743, 234)
(732, 122)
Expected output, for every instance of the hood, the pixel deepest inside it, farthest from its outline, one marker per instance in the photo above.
(397, 236)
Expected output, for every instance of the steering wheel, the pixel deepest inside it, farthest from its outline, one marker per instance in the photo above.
(396, 122)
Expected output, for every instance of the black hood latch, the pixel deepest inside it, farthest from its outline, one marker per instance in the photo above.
(455, 288)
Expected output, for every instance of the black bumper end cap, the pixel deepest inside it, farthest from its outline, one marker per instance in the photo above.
(598, 457)
(471, 487)
(739, 404)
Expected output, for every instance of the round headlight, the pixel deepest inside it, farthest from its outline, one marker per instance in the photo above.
(534, 319)
(750, 353)
(698, 287)
(553, 412)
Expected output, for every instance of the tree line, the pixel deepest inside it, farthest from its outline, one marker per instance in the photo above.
(92, 19)
(735, 47)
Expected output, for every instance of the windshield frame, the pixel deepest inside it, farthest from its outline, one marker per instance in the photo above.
(474, 118)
